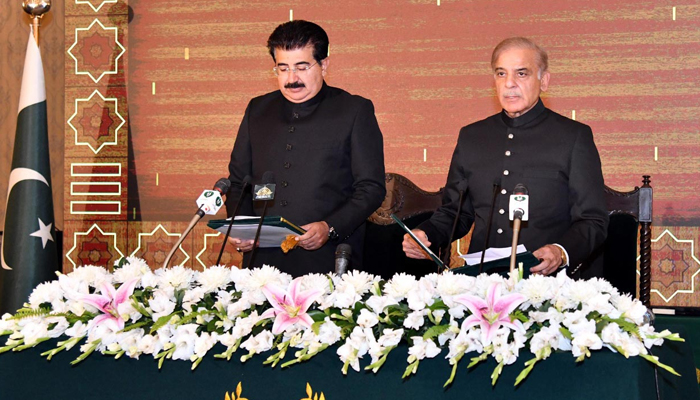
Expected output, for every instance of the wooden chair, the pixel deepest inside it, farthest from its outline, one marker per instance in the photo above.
(630, 212)
(383, 254)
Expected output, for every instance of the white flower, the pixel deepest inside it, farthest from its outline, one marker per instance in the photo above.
(415, 319)
(61, 324)
(245, 325)
(538, 289)
(235, 309)
(422, 348)
(73, 288)
(204, 343)
(160, 305)
(92, 275)
(33, 329)
(577, 322)
(379, 303)
(423, 296)
(504, 351)
(630, 308)
(47, 292)
(583, 341)
(400, 286)
(192, 297)
(135, 268)
(450, 285)
(251, 281)
(177, 277)
(129, 342)
(367, 319)
(183, 339)
(390, 337)
(651, 338)
(259, 343)
(466, 341)
(348, 354)
(328, 332)
(316, 282)
(345, 295)
(149, 344)
(360, 280)
(214, 278)
(6, 323)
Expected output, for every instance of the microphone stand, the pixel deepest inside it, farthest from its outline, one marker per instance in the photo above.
(257, 235)
(448, 249)
(233, 216)
(516, 234)
(496, 185)
(187, 231)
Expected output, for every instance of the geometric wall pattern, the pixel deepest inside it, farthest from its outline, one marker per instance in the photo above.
(155, 90)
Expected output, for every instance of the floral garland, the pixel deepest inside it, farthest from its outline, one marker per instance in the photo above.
(180, 314)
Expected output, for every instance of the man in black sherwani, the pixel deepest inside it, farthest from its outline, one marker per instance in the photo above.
(553, 156)
(324, 147)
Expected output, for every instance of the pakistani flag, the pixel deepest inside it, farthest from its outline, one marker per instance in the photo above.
(28, 244)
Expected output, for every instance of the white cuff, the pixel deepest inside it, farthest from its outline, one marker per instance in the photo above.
(565, 253)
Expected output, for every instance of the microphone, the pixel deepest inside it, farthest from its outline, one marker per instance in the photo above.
(461, 188)
(342, 258)
(519, 203)
(265, 193)
(518, 211)
(496, 186)
(245, 183)
(209, 202)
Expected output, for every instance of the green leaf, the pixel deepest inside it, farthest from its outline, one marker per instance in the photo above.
(317, 315)
(526, 371)
(316, 326)
(435, 331)
(161, 322)
(135, 326)
(655, 360)
(567, 334)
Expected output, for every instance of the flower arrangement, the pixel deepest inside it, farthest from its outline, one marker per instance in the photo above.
(180, 314)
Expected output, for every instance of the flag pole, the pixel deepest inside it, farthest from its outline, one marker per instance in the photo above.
(36, 9)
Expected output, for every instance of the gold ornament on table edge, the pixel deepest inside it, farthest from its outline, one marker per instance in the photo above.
(36, 9)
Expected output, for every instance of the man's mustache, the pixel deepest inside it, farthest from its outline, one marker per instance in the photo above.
(294, 85)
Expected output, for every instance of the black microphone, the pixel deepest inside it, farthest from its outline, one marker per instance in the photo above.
(518, 211)
(462, 188)
(245, 183)
(209, 202)
(342, 258)
(265, 193)
(496, 186)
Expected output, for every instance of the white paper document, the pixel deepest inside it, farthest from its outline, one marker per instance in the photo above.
(491, 254)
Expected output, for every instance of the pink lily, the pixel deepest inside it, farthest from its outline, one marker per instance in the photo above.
(289, 307)
(108, 302)
(493, 312)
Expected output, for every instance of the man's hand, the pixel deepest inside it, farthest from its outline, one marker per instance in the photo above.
(316, 235)
(551, 260)
(241, 245)
(412, 249)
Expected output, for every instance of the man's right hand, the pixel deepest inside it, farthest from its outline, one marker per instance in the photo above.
(241, 245)
(412, 249)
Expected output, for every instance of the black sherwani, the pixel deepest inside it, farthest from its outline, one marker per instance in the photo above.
(328, 159)
(555, 158)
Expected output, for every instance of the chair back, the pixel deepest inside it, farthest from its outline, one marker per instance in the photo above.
(630, 213)
(383, 254)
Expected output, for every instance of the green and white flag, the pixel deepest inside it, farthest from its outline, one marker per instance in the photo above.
(29, 254)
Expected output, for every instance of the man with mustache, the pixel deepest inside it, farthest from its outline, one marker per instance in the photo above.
(553, 156)
(324, 147)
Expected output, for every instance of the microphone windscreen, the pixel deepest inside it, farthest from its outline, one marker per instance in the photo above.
(343, 249)
(223, 185)
(268, 177)
(246, 180)
(520, 189)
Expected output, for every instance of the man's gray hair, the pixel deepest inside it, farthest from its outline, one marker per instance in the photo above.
(522, 43)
